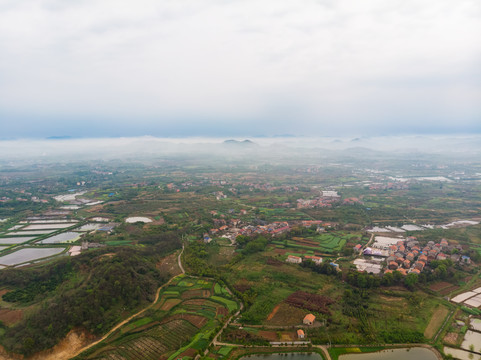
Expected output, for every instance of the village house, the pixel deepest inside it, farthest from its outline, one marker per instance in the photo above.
(309, 319)
(300, 334)
(293, 259)
(315, 259)
(393, 265)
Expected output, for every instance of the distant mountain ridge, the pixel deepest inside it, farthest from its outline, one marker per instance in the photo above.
(239, 142)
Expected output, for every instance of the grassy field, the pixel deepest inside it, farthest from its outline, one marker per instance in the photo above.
(330, 243)
(179, 325)
(436, 321)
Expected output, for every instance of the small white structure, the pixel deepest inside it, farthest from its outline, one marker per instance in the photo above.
(300, 334)
(75, 250)
(134, 219)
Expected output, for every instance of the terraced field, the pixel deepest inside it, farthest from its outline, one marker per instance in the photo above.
(180, 323)
(325, 243)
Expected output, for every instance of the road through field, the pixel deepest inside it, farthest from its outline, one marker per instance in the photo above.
(134, 315)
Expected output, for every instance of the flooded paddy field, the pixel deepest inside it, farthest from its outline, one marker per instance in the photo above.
(16, 240)
(134, 219)
(458, 353)
(29, 254)
(49, 226)
(68, 236)
(90, 227)
(475, 324)
(416, 353)
(55, 221)
(471, 338)
(32, 232)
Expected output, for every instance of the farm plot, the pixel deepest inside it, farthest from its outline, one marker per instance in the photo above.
(180, 323)
(324, 243)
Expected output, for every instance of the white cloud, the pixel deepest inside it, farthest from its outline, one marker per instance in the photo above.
(315, 61)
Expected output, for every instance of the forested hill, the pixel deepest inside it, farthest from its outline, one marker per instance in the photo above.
(92, 291)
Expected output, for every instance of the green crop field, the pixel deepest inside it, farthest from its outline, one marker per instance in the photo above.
(167, 334)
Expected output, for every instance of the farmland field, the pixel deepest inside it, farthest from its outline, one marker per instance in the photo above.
(325, 243)
(175, 325)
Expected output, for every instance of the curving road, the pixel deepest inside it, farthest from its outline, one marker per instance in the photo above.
(120, 324)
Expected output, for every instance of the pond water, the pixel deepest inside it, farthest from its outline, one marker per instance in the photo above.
(459, 354)
(16, 240)
(68, 236)
(37, 232)
(90, 227)
(472, 338)
(393, 354)
(135, 219)
(48, 226)
(54, 221)
(28, 254)
(285, 356)
(475, 324)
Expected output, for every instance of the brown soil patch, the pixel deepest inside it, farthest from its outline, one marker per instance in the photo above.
(280, 251)
(440, 285)
(273, 262)
(287, 315)
(169, 265)
(309, 301)
(222, 311)
(288, 336)
(242, 286)
(189, 294)
(196, 320)
(273, 312)
(195, 302)
(386, 298)
(268, 335)
(436, 321)
(449, 290)
(189, 352)
(169, 304)
(66, 348)
(451, 338)
(10, 317)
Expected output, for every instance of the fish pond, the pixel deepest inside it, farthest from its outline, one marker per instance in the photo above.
(15, 240)
(284, 356)
(415, 353)
(65, 237)
(29, 254)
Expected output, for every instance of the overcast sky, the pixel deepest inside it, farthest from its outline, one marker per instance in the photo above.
(248, 68)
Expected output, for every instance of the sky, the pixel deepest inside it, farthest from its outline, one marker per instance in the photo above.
(108, 68)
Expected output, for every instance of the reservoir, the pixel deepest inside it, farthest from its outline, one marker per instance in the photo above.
(284, 356)
(393, 354)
